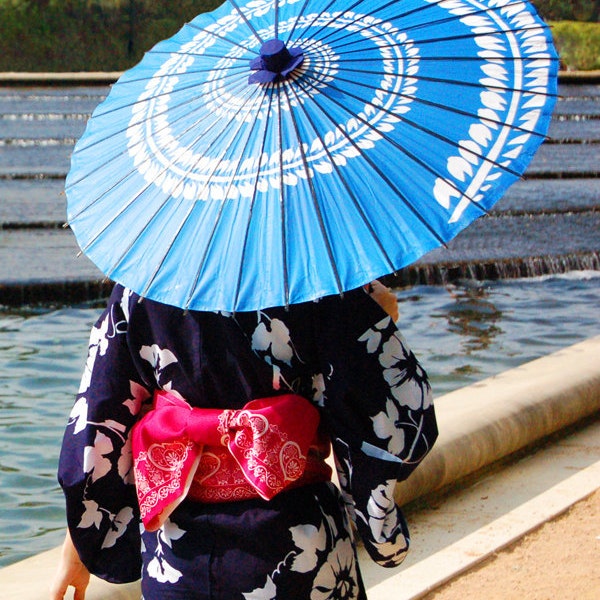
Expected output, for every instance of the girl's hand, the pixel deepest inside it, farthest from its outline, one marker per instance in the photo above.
(70, 572)
(384, 297)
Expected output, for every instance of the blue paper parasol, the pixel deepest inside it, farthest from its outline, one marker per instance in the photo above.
(273, 152)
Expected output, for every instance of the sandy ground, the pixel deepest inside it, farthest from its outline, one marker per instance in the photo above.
(559, 561)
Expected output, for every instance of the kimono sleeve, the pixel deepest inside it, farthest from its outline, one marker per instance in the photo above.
(378, 405)
(95, 466)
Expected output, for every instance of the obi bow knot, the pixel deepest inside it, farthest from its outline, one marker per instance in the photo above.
(221, 455)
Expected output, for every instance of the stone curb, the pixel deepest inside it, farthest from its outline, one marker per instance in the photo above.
(479, 424)
(79, 78)
(489, 420)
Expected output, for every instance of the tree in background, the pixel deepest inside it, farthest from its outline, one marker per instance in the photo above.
(569, 10)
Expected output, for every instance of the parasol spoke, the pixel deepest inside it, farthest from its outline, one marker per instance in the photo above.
(351, 195)
(282, 187)
(240, 12)
(336, 36)
(372, 164)
(168, 199)
(241, 77)
(335, 32)
(214, 34)
(188, 53)
(293, 29)
(448, 58)
(165, 111)
(193, 206)
(311, 24)
(424, 164)
(484, 10)
(472, 84)
(313, 194)
(116, 155)
(241, 158)
(436, 40)
(252, 92)
(414, 157)
(209, 69)
(263, 141)
(444, 107)
(335, 17)
(477, 85)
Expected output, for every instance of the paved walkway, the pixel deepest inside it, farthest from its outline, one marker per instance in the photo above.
(558, 561)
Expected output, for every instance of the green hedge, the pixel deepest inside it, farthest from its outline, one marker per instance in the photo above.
(112, 35)
(578, 45)
(568, 10)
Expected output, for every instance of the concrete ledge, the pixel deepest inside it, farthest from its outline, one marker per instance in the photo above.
(489, 420)
(479, 425)
(109, 77)
(579, 76)
(79, 78)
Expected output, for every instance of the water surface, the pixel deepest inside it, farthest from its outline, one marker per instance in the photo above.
(462, 334)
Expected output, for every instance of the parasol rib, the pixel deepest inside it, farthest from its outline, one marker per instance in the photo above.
(505, 88)
(154, 76)
(451, 109)
(167, 110)
(434, 134)
(286, 283)
(240, 12)
(314, 197)
(225, 197)
(447, 58)
(115, 156)
(379, 172)
(335, 17)
(124, 178)
(218, 36)
(193, 207)
(350, 192)
(344, 33)
(293, 29)
(253, 199)
(449, 38)
(311, 24)
(169, 198)
(241, 76)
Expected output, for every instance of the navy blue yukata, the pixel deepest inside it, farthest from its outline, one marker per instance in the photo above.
(344, 354)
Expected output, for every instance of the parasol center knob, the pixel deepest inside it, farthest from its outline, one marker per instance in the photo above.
(275, 61)
(275, 56)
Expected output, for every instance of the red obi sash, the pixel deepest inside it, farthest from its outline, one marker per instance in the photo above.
(214, 455)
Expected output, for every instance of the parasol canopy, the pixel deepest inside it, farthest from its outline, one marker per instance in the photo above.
(277, 151)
